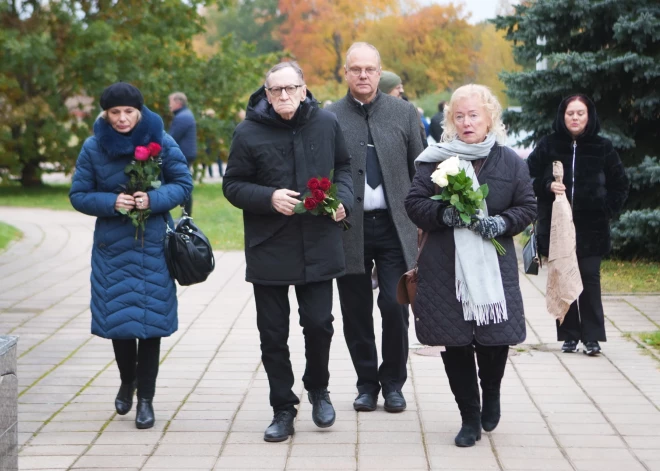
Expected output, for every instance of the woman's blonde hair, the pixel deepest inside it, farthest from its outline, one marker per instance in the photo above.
(490, 104)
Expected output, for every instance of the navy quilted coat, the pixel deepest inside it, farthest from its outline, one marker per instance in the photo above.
(438, 315)
(133, 294)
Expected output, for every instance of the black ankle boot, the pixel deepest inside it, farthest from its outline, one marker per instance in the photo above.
(470, 432)
(144, 417)
(124, 399)
(490, 413)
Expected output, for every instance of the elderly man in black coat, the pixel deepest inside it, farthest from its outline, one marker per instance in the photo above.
(383, 136)
(285, 140)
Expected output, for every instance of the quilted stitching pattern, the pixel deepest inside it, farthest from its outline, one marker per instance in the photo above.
(133, 295)
(438, 315)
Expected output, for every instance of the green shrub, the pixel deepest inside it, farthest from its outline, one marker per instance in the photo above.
(637, 234)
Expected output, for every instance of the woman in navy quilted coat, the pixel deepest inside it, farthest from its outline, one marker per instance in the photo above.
(468, 296)
(134, 299)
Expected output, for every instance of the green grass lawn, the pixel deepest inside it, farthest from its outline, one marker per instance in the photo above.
(8, 234)
(217, 218)
(651, 338)
(619, 276)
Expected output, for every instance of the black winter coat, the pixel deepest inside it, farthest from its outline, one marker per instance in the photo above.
(268, 153)
(438, 314)
(595, 180)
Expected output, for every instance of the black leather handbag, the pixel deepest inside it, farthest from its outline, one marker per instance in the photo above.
(531, 257)
(188, 253)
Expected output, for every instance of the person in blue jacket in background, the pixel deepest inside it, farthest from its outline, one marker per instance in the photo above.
(133, 300)
(184, 131)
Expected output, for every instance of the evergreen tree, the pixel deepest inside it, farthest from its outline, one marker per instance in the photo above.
(609, 50)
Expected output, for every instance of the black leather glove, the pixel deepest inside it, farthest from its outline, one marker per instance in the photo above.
(489, 227)
(451, 217)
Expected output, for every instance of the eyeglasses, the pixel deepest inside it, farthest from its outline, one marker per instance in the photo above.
(357, 71)
(290, 90)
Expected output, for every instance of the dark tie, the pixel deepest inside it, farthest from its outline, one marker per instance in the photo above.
(374, 175)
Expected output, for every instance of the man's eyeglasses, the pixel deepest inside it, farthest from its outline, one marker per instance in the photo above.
(290, 90)
(357, 71)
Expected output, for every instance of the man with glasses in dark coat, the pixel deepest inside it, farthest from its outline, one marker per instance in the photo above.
(285, 141)
(383, 137)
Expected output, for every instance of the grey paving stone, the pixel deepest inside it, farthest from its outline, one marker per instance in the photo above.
(212, 404)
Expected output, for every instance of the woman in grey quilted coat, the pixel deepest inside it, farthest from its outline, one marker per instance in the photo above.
(468, 296)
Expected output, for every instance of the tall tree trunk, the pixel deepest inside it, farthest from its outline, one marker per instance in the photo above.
(338, 44)
(31, 174)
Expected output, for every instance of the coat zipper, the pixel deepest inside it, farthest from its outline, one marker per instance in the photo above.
(573, 175)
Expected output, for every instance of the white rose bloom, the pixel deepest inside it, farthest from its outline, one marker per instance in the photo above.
(439, 177)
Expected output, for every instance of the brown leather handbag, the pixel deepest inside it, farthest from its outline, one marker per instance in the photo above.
(406, 289)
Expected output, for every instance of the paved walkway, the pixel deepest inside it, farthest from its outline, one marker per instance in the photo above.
(560, 412)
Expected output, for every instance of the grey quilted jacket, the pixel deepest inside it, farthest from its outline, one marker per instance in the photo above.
(438, 315)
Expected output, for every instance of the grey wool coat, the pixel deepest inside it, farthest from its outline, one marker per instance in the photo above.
(394, 126)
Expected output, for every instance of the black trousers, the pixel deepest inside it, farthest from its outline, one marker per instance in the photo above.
(139, 359)
(315, 301)
(382, 247)
(462, 374)
(585, 319)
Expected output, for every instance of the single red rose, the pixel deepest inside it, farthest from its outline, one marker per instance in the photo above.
(154, 149)
(325, 184)
(141, 153)
(318, 195)
(310, 203)
(313, 184)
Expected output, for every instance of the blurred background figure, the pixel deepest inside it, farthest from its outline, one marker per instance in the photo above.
(436, 122)
(184, 131)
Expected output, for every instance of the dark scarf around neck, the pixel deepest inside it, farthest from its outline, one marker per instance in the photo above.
(149, 129)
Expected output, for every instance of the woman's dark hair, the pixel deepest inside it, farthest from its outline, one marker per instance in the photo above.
(580, 98)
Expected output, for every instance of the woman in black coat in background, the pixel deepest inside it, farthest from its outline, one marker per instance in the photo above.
(596, 186)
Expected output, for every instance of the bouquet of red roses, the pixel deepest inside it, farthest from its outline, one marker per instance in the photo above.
(321, 199)
(143, 175)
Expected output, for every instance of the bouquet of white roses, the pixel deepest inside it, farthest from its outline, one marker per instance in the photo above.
(458, 191)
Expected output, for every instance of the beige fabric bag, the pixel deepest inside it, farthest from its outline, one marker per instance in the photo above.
(564, 281)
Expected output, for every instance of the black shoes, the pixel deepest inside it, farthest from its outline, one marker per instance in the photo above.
(365, 403)
(394, 402)
(281, 427)
(144, 417)
(469, 434)
(124, 399)
(490, 412)
(323, 414)
(591, 348)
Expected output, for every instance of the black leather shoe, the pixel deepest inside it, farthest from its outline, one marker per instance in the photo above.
(365, 403)
(470, 433)
(124, 399)
(144, 417)
(323, 414)
(395, 402)
(591, 348)
(490, 412)
(281, 427)
(570, 346)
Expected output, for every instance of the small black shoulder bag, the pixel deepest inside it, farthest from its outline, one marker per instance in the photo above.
(188, 253)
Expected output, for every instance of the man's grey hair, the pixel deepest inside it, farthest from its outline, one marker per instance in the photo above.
(180, 97)
(359, 45)
(283, 65)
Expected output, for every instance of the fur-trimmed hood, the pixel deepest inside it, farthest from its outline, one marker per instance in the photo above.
(593, 124)
(149, 129)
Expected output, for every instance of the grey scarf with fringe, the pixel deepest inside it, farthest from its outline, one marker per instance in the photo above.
(478, 279)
